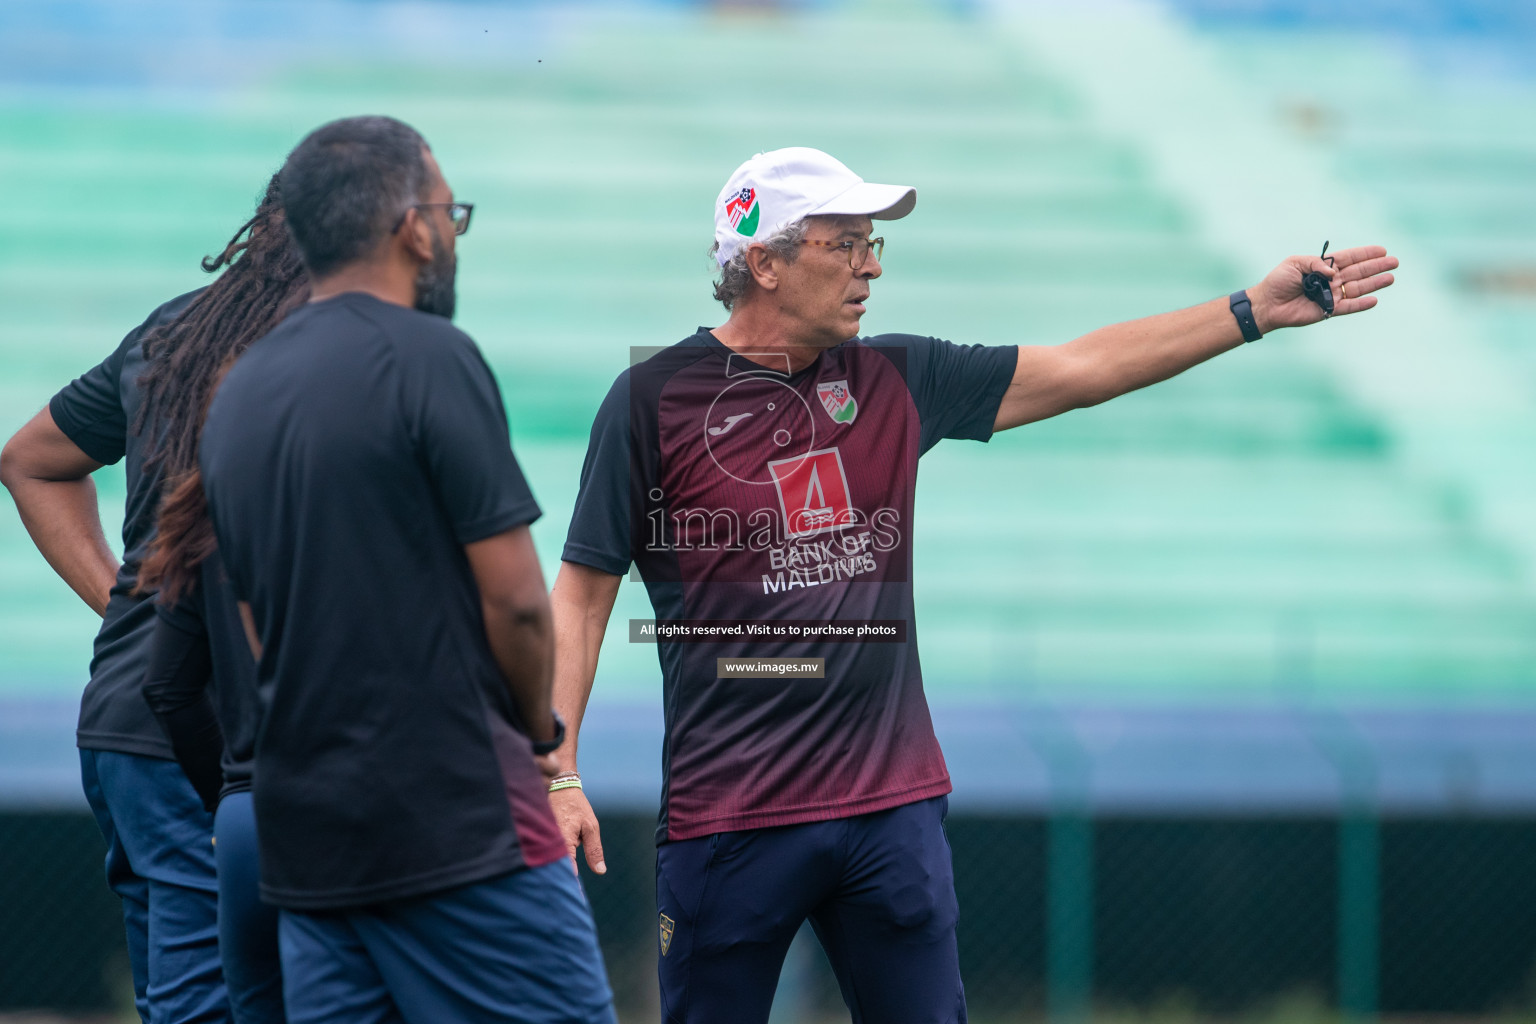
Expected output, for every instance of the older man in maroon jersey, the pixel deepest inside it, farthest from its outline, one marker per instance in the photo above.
(761, 476)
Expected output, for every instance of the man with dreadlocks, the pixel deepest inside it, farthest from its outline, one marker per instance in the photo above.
(199, 639)
(142, 404)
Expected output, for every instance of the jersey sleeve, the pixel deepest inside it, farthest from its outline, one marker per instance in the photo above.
(599, 535)
(89, 409)
(957, 388)
(459, 428)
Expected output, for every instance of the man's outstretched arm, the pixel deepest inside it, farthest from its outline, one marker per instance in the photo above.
(581, 602)
(1114, 360)
(50, 479)
(517, 625)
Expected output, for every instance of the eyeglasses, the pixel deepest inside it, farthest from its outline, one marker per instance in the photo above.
(458, 215)
(856, 248)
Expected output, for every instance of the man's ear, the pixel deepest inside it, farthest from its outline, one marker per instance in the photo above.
(416, 235)
(764, 267)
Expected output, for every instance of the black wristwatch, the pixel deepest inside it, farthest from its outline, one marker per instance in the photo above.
(1243, 310)
(542, 747)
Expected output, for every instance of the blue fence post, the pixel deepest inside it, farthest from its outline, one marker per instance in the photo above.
(1069, 839)
(1358, 899)
(1068, 871)
(1069, 916)
(1359, 912)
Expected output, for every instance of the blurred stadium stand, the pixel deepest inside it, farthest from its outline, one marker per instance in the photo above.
(1238, 687)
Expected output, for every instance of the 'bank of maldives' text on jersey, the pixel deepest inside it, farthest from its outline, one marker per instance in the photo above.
(742, 492)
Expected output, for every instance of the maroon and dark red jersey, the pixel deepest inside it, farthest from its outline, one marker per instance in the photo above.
(772, 503)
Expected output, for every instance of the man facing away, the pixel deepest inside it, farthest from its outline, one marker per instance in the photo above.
(374, 525)
(142, 406)
(763, 472)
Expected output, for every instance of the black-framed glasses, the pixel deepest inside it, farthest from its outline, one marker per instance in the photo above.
(458, 215)
(858, 249)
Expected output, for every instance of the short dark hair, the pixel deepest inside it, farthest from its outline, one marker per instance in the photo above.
(346, 185)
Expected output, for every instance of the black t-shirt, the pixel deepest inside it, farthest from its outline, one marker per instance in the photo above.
(208, 616)
(97, 411)
(348, 458)
(745, 495)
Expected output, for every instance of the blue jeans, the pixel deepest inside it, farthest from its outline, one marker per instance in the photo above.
(247, 927)
(520, 947)
(879, 891)
(160, 862)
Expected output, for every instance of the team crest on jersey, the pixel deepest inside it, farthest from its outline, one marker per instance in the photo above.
(667, 927)
(813, 492)
(838, 401)
(743, 211)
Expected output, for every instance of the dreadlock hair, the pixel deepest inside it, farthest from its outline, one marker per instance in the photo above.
(183, 539)
(186, 359)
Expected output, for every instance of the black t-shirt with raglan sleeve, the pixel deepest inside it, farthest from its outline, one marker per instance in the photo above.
(745, 495)
(348, 458)
(97, 412)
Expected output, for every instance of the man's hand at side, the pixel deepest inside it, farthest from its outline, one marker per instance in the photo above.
(582, 601)
(50, 479)
(578, 824)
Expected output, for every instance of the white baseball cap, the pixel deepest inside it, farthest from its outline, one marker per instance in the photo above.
(777, 188)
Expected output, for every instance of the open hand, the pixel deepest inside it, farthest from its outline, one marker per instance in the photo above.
(578, 824)
(1278, 300)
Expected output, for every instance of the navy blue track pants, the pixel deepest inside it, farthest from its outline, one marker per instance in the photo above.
(160, 861)
(518, 949)
(253, 973)
(878, 889)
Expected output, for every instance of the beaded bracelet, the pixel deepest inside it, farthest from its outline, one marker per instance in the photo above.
(565, 780)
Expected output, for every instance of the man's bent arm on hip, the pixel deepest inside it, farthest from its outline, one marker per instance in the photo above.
(50, 479)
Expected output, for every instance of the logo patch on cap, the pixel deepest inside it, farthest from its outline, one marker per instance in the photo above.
(743, 211)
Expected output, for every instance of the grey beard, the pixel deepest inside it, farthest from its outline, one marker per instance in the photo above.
(435, 282)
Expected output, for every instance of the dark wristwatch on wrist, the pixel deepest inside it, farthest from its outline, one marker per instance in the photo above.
(549, 746)
(1242, 309)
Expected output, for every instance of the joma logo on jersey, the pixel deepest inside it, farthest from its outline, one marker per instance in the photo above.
(743, 210)
(813, 492)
